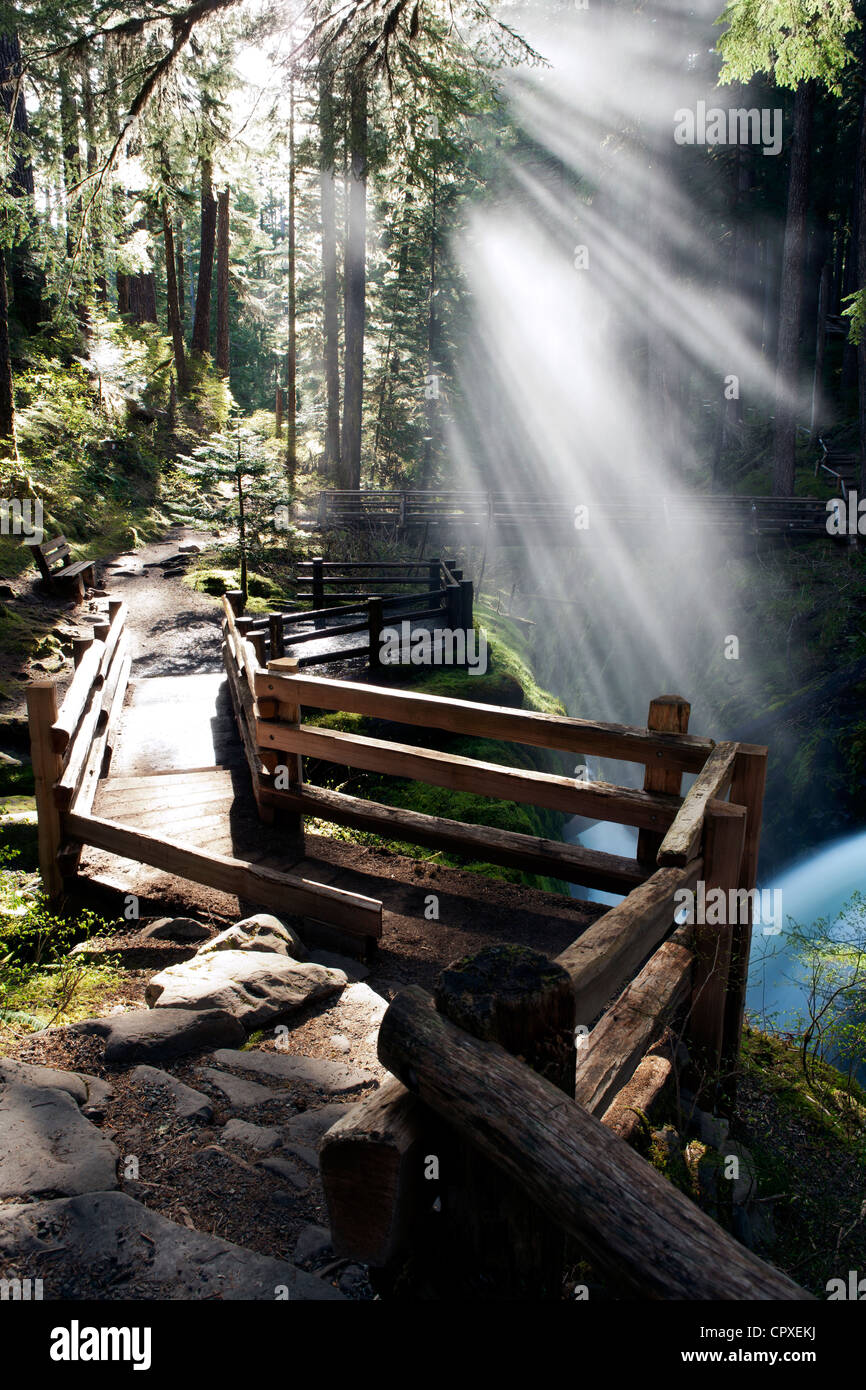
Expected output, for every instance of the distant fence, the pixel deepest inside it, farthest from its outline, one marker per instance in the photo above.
(436, 590)
(475, 512)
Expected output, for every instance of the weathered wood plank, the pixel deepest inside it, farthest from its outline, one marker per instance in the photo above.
(376, 1149)
(354, 913)
(682, 841)
(607, 953)
(724, 837)
(42, 714)
(638, 1099)
(87, 675)
(572, 863)
(596, 799)
(102, 743)
(616, 1044)
(577, 736)
(632, 1223)
(747, 789)
(667, 714)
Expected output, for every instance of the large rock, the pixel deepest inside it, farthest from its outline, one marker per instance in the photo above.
(176, 929)
(257, 987)
(161, 1087)
(262, 932)
(147, 1257)
(148, 1035)
(255, 1136)
(237, 1091)
(26, 1074)
(314, 1071)
(48, 1147)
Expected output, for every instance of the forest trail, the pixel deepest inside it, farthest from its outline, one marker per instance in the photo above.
(178, 770)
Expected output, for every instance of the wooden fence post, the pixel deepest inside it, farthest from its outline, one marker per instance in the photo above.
(79, 647)
(236, 601)
(293, 821)
(724, 837)
(375, 625)
(494, 1241)
(466, 593)
(318, 589)
(435, 575)
(667, 714)
(278, 641)
(747, 789)
(47, 769)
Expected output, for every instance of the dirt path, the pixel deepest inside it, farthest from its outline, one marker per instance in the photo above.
(174, 631)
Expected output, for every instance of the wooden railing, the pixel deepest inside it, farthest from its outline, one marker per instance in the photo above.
(71, 748)
(477, 510)
(437, 590)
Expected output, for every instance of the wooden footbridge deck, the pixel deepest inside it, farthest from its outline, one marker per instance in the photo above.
(488, 1073)
(466, 514)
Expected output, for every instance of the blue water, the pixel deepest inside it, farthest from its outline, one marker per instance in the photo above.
(816, 885)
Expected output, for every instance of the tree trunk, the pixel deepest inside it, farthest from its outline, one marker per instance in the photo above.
(815, 421)
(355, 286)
(330, 324)
(175, 327)
(7, 402)
(791, 298)
(201, 322)
(861, 272)
(292, 349)
(222, 356)
(25, 277)
(180, 271)
(96, 229)
(431, 386)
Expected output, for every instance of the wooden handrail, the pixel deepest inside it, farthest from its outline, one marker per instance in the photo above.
(596, 799)
(578, 736)
(632, 1223)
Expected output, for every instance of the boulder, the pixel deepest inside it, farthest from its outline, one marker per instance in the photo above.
(284, 1168)
(238, 1092)
(312, 1244)
(149, 1257)
(314, 1071)
(47, 1145)
(157, 1035)
(161, 1086)
(176, 929)
(26, 1074)
(260, 933)
(256, 1136)
(256, 987)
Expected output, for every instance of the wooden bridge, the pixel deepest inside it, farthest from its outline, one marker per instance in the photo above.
(467, 514)
(536, 1131)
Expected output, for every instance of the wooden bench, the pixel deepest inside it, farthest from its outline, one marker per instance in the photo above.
(54, 561)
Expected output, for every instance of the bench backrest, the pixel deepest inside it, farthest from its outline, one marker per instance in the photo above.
(51, 556)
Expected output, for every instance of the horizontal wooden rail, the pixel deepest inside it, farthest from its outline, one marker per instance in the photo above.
(633, 1224)
(352, 912)
(570, 863)
(607, 953)
(682, 842)
(615, 1046)
(578, 736)
(595, 799)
